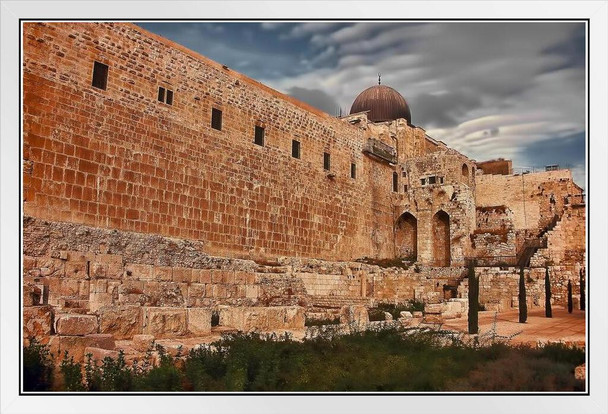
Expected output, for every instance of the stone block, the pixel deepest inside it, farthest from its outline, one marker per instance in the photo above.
(163, 273)
(105, 341)
(99, 354)
(199, 321)
(74, 324)
(196, 295)
(417, 314)
(182, 275)
(165, 322)
(135, 271)
(143, 343)
(75, 345)
(355, 316)
(388, 316)
(405, 315)
(38, 322)
(122, 321)
(76, 270)
(433, 308)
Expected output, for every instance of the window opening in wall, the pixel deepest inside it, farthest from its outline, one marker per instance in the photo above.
(423, 181)
(295, 148)
(405, 188)
(432, 179)
(259, 136)
(441, 180)
(165, 95)
(326, 161)
(100, 75)
(395, 182)
(353, 170)
(216, 119)
(404, 174)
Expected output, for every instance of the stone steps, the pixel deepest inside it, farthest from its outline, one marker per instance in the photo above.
(319, 301)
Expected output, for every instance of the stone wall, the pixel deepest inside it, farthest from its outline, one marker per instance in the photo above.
(534, 199)
(81, 280)
(499, 288)
(566, 242)
(118, 158)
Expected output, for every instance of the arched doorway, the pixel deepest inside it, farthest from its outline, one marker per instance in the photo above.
(441, 239)
(465, 173)
(406, 237)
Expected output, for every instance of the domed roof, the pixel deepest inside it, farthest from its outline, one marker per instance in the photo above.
(383, 103)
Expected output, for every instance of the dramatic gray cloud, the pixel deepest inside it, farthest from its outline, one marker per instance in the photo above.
(488, 89)
(316, 98)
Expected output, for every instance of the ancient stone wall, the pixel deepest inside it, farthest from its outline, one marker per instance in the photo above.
(535, 199)
(566, 242)
(118, 158)
(499, 288)
(499, 166)
(434, 190)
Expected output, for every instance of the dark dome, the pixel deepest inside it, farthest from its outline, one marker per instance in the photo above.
(383, 103)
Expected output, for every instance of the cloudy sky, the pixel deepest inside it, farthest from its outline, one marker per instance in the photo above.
(489, 90)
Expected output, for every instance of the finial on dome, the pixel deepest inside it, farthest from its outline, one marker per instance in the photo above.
(379, 74)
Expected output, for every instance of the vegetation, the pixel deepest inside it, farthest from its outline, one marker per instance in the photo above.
(37, 367)
(548, 312)
(473, 300)
(523, 305)
(393, 361)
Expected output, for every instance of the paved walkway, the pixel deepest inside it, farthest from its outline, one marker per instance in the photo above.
(564, 327)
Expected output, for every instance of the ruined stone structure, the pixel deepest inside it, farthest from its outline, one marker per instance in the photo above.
(160, 187)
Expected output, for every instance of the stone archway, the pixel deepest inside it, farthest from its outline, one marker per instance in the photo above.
(465, 173)
(406, 237)
(441, 239)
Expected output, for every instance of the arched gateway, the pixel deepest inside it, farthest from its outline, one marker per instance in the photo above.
(406, 237)
(441, 239)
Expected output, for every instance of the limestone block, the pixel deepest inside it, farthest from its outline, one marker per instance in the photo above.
(104, 341)
(355, 316)
(388, 316)
(196, 295)
(417, 314)
(163, 322)
(182, 275)
(199, 321)
(143, 343)
(38, 322)
(76, 270)
(75, 345)
(163, 273)
(165, 294)
(98, 270)
(295, 317)
(99, 354)
(433, 308)
(405, 315)
(136, 271)
(74, 324)
(123, 321)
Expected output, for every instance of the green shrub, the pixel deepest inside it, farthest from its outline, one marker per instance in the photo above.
(71, 374)
(37, 367)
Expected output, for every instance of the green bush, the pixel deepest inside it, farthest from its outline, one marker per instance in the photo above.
(37, 367)
(389, 360)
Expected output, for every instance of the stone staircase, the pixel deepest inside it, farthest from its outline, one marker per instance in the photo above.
(322, 301)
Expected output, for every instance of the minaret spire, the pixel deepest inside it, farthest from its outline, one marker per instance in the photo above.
(379, 74)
